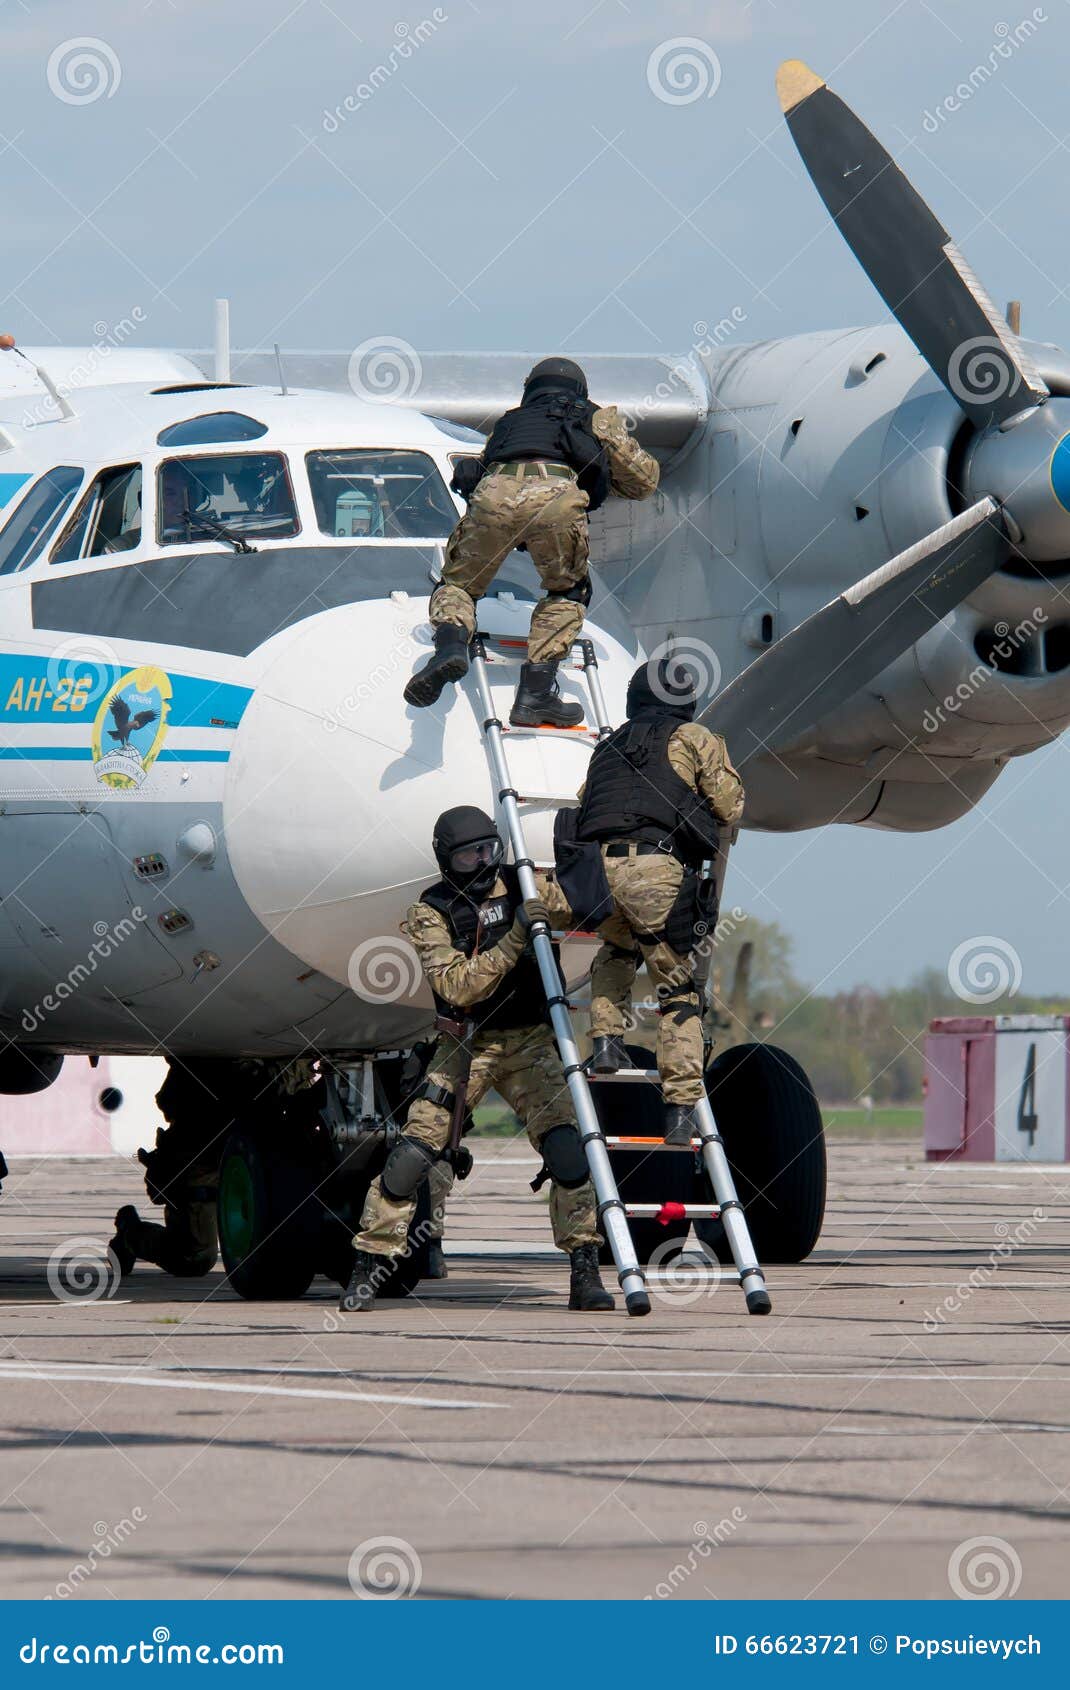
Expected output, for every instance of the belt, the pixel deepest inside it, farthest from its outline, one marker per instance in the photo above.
(641, 847)
(534, 466)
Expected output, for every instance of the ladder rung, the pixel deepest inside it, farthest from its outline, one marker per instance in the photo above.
(624, 1074)
(581, 729)
(681, 1211)
(655, 1143)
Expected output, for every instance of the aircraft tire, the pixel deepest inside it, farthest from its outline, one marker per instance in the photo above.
(774, 1138)
(269, 1220)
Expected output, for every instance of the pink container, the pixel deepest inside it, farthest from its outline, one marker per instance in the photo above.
(996, 1088)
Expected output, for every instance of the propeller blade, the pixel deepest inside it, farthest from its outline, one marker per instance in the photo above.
(844, 645)
(908, 255)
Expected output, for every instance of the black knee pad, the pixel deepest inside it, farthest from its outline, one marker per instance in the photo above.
(406, 1168)
(563, 1154)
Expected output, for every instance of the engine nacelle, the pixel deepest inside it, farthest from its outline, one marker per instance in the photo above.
(24, 1070)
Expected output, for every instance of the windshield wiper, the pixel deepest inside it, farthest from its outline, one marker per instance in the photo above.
(217, 531)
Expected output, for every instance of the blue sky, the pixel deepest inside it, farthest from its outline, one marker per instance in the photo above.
(512, 181)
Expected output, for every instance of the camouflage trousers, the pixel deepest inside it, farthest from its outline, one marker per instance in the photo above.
(523, 1065)
(547, 515)
(644, 890)
(188, 1242)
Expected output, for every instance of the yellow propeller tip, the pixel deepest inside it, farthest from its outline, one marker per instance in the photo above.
(795, 82)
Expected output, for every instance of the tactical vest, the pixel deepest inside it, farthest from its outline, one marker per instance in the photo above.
(518, 1000)
(621, 801)
(557, 428)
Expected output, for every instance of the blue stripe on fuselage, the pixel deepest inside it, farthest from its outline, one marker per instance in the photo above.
(195, 701)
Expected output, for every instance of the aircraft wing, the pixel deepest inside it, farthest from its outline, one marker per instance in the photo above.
(669, 397)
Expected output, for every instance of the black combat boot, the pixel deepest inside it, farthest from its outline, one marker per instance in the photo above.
(679, 1124)
(609, 1055)
(538, 702)
(436, 1261)
(120, 1246)
(449, 662)
(368, 1274)
(585, 1288)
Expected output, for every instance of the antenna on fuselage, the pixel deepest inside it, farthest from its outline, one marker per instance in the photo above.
(64, 406)
(222, 340)
(283, 389)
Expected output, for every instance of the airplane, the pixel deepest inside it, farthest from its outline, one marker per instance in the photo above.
(214, 575)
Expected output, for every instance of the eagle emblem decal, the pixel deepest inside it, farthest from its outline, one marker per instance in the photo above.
(130, 727)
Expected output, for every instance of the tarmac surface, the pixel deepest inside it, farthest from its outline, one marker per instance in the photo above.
(909, 1396)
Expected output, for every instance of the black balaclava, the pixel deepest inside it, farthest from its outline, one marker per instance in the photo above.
(465, 825)
(662, 687)
(555, 373)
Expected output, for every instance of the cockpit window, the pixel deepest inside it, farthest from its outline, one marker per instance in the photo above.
(383, 495)
(108, 518)
(36, 519)
(212, 429)
(237, 497)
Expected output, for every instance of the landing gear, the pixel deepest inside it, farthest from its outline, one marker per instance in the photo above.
(291, 1191)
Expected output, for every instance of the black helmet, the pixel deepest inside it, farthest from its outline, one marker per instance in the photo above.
(556, 372)
(663, 684)
(468, 849)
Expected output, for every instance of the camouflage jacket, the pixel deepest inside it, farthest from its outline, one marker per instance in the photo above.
(634, 474)
(462, 980)
(700, 757)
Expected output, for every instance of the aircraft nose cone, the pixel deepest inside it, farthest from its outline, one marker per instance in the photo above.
(334, 785)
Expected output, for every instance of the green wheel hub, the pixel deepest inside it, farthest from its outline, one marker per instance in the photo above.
(237, 1205)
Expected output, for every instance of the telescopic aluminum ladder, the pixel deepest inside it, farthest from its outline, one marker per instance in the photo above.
(613, 1213)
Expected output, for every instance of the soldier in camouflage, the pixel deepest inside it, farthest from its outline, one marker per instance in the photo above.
(657, 792)
(201, 1098)
(548, 462)
(471, 932)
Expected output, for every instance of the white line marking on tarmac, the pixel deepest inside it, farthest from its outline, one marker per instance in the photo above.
(744, 1375)
(102, 1374)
